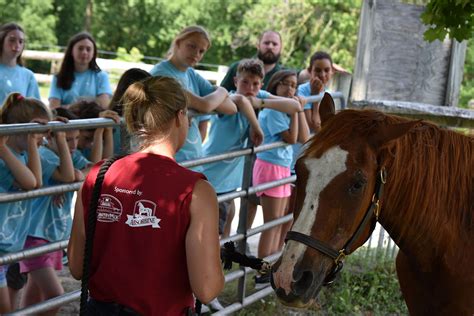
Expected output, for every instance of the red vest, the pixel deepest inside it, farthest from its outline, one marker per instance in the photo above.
(139, 254)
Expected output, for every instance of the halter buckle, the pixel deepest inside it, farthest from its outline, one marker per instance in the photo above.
(340, 257)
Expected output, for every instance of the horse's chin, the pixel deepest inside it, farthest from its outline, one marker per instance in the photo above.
(302, 301)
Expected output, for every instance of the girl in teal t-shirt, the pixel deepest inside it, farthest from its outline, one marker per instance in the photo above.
(79, 76)
(13, 76)
(20, 169)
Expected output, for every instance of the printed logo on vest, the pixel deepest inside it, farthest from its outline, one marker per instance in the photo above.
(143, 215)
(109, 209)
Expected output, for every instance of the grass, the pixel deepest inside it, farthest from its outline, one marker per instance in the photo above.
(362, 288)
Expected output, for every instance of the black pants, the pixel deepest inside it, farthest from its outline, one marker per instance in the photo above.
(98, 308)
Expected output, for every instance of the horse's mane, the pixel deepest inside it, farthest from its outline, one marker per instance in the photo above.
(430, 176)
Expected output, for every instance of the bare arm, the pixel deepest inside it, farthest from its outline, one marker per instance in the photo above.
(217, 101)
(75, 248)
(65, 171)
(290, 136)
(54, 103)
(97, 145)
(245, 107)
(285, 105)
(103, 100)
(108, 140)
(303, 128)
(203, 129)
(34, 162)
(202, 244)
(23, 176)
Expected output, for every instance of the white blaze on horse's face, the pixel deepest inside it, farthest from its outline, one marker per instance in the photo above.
(321, 172)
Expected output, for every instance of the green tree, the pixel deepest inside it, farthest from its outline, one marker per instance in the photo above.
(454, 18)
(36, 18)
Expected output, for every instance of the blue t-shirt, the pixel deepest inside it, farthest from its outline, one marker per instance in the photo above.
(15, 217)
(273, 123)
(52, 222)
(193, 82)
(227, 132)
(17, 79)
(86, 85)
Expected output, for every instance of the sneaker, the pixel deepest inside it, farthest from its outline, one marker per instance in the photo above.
(262, 281)
(216, 305)
(64, 258)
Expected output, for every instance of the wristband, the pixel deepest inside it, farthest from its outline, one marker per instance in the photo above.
(263, 103)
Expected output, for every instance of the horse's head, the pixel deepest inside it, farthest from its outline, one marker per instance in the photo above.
(336, 181)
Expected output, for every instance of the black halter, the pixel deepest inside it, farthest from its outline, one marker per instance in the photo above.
(339, 256)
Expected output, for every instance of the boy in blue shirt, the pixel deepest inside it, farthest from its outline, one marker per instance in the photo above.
(231, 132)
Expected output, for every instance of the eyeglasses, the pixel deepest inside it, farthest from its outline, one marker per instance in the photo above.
(288, 84)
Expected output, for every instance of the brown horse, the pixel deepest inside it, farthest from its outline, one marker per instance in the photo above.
(416, 179)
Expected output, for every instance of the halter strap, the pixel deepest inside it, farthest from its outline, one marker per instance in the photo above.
(338, 256)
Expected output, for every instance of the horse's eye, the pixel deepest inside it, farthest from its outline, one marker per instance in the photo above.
(357, 186)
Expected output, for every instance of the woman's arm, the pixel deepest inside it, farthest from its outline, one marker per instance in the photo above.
(290, 136)
(202, 244)
(24, 177)
(75, 248)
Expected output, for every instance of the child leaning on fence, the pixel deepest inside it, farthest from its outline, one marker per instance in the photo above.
(95, 144)
(231, 132)
(79, 77)
(187, 49)
(14, 77)
(51, 215)
(128, 77)
(274, 164)
(20, 169)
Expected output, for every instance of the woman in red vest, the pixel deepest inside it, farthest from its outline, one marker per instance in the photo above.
(156, 238)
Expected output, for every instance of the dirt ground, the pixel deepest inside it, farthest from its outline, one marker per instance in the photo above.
(69, 285)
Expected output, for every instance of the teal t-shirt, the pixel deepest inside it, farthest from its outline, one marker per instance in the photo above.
(273, 123)
(227, 133)
(193, 82)
(15, 217)
(86, 85)
(53, 222)
(17, 79)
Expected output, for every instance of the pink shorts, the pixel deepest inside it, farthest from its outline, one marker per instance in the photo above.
(51, 259)
(264, 171)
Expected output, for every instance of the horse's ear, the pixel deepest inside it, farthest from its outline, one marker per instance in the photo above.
(326, 108)
(390, 132)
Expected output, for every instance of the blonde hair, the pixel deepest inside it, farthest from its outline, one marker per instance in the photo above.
(18, 109)
(150, 106)
(187, 32)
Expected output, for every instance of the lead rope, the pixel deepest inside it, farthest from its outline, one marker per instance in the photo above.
(91, 223)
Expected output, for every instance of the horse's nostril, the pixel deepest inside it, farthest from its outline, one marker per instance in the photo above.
(301, 285)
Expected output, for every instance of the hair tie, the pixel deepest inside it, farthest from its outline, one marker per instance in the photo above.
(20, 97)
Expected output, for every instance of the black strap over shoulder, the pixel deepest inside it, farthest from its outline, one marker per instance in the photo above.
(91, 222)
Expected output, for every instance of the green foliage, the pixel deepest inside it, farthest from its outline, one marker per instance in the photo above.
(362, 288)
(133, 56)
(467, 87)
(36, 18)
(449, 17)
(70, 15)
